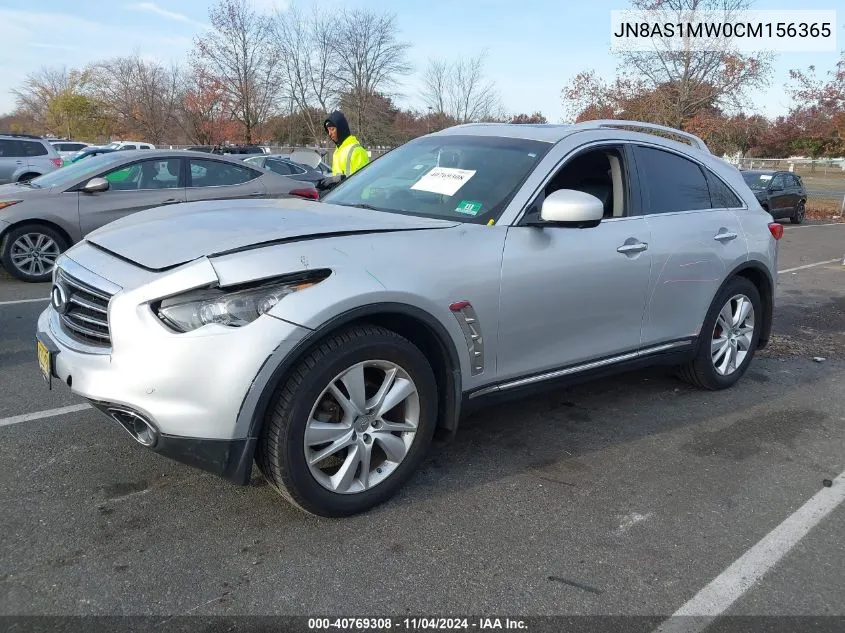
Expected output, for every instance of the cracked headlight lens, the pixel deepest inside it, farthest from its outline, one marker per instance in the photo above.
(233, 309)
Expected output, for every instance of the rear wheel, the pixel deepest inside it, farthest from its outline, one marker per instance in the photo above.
(798, 215)
(29, 252)
(728, 338)
(351, 424)
(26, 177)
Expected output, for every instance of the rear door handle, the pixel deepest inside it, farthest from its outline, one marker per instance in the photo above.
(724, 237)
(632, 248)
(255, 194)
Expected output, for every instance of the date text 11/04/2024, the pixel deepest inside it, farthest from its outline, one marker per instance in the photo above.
(416, 624)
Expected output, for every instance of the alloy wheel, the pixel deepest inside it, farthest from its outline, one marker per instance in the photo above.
(732, 335)
(362, 427)
(34, 254)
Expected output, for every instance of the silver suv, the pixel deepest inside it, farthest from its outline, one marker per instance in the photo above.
(24, 157)
(330, 340)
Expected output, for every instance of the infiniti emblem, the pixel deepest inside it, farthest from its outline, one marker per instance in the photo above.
(59, 299)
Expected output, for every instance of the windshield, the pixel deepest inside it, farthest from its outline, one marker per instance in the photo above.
(77, 171)
(757, 182)
(113, 145)
(463, 178)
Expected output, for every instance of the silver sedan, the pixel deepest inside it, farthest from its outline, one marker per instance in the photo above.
(41, 218)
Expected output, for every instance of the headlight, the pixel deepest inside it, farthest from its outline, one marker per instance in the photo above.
(231, 308)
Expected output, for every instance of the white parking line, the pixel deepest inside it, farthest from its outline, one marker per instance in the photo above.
(49, 413)
(790, 270)
(743, 574)
(11, 303)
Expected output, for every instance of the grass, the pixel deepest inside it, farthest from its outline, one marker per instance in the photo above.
(831, 181)
(824, 209)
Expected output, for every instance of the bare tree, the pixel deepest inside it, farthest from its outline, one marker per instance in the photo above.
(370, 58)
(309, 61)
(140, 96)
(436, 81)
(689, 76)
(460, 90)
(241, 53)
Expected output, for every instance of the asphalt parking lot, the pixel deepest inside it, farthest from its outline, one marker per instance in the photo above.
(633, 496)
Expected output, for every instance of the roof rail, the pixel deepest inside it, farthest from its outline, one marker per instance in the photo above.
(17, 135)
(646, 127)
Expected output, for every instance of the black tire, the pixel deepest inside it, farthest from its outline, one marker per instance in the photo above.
(797, 216)
(14, 235)
(281, 453)
(28, 176)
(700, 371)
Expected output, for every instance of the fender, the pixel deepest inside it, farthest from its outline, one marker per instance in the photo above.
(280, 362)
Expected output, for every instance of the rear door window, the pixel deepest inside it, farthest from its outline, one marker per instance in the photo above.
(671, 182)
(212, 173)
(279, 167)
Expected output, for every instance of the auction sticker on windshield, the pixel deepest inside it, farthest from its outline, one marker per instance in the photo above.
(444, 180)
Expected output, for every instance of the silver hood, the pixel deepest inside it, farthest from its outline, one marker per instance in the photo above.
(165, 237)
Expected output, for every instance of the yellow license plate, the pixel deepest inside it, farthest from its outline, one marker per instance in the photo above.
(44, 360)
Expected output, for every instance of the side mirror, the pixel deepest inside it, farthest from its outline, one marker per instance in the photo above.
(568, 207)
(96, 185)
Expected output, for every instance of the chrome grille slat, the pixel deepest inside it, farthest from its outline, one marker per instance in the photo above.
(78, 316)
(85, 315)
(83, 330)
(85, 304)
(70, 281)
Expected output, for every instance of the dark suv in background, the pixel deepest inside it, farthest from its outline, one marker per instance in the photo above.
(781, 193)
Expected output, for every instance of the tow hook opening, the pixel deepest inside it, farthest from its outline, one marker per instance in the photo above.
(135, 424)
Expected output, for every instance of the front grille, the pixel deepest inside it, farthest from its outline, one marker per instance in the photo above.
(85, 317)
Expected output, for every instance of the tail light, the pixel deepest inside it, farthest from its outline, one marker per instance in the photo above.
(776, 230)
(311, 194)
(56, 161)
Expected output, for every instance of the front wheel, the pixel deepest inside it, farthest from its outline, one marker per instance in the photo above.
(351, 424)
(29, 252)
(728, 338)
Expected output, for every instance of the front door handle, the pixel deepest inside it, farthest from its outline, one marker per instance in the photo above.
(255, 194)
(725, 237)
(171, 201)
(632, 248)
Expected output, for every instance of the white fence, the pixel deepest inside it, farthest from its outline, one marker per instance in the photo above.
(798, 165)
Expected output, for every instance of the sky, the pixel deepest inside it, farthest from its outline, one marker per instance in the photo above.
(531, 48)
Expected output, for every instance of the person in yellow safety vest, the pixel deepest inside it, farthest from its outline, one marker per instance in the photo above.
(349, 156)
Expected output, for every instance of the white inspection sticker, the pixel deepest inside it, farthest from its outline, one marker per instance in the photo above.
(444, 180)
(765, 177)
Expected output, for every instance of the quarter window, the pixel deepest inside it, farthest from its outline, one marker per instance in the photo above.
(721, 194)
(672, 183)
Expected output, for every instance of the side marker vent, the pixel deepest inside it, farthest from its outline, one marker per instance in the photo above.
(468, 320)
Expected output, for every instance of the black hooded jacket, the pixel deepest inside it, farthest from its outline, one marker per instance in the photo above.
(338, 120)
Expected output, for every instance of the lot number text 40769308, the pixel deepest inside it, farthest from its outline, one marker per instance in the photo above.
(416, 624)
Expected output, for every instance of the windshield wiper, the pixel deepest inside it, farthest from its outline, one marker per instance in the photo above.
(364, 205)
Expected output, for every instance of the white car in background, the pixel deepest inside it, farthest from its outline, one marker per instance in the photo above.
(66, 149)
(120, 145)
